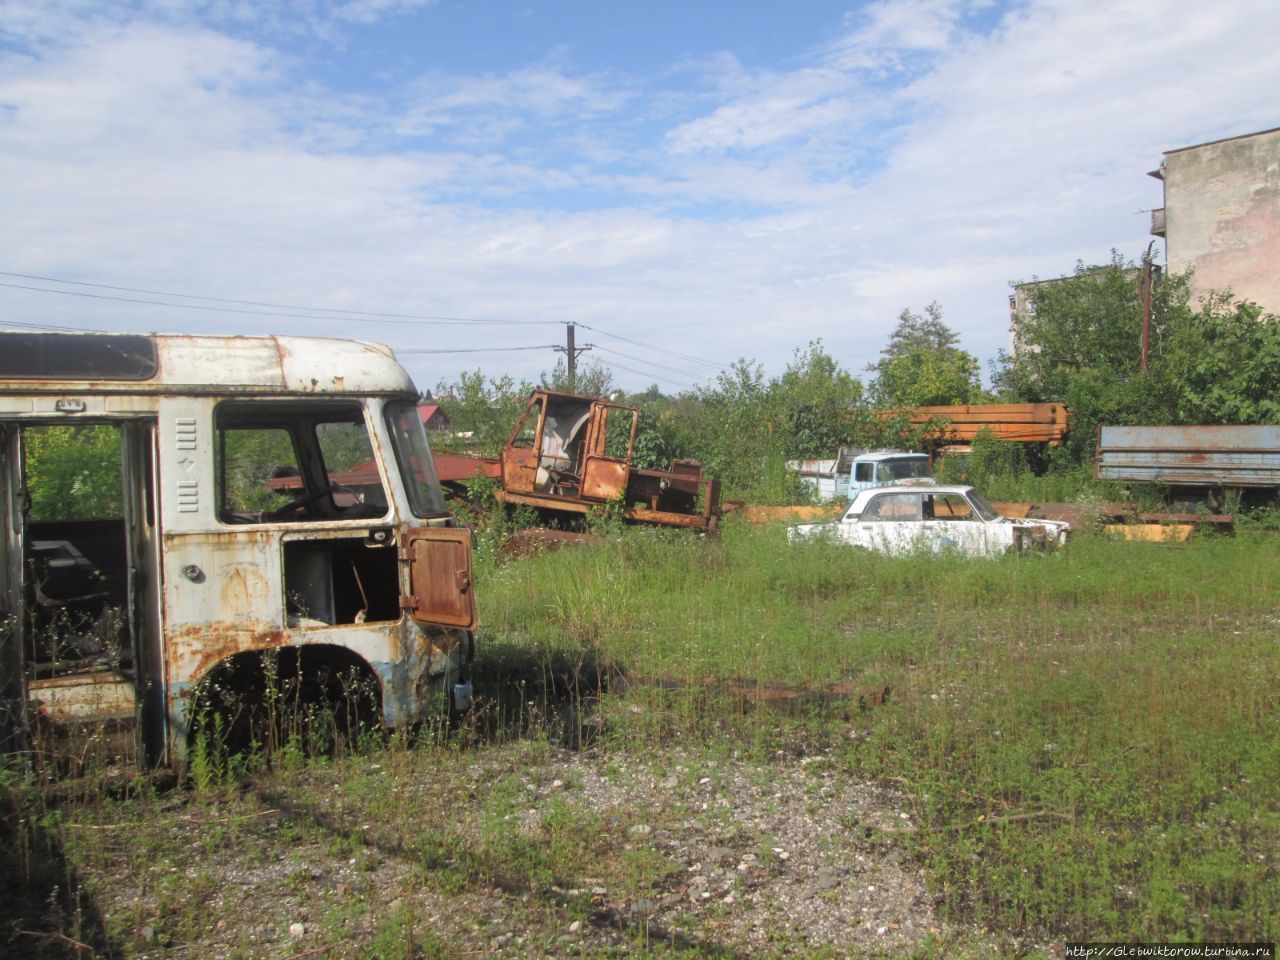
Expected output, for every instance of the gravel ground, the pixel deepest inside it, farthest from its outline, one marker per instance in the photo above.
(792, 857)
(771, 857)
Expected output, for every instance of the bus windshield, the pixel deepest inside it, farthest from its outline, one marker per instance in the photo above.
(413, 455)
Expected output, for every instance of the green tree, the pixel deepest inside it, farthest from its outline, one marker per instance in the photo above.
(921, 365)
(1082, 346)
(591, 379)
(1221, 364)
(73, 472)
(817, 405)
(486, 409)
(727, 427)
(746, 426)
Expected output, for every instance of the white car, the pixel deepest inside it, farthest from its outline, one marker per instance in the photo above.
(933, 519)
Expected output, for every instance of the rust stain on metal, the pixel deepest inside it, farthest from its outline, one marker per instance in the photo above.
(1227, 455)
(243, 590)
(1018, 511)
(101, 695)
(1077, 516)
(204, 646)
(768, 513)
(1150, 532)
(604, 479)
(236, 538)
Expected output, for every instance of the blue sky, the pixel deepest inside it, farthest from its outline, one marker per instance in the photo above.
(713, 180)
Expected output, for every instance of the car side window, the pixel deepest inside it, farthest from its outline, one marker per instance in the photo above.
(893, 507)
(949, 506)
(862, 472)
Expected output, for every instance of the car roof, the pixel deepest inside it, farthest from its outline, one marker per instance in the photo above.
(933, 489)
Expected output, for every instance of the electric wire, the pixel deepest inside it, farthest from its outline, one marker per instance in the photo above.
(649, 346)
(337, 312)
(648, 363)
(44, 326)
(271, 313)
(417, 351)
(352, 316)
(651, 376)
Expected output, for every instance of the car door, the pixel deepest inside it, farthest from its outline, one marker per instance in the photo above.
(951, 524)
(890, 524)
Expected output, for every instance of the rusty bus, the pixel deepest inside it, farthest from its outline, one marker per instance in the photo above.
(269, 515)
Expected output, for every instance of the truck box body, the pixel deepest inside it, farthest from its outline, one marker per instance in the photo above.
(1229, 456)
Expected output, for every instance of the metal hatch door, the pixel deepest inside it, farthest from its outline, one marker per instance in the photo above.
(12, 671)
(439, 561)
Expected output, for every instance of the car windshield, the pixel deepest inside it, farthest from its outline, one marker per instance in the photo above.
(985, 510)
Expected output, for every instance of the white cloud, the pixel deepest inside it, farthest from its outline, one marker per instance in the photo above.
(920, 158)
(137, 91)
(370, 11)
(760, 121)
(487, 109)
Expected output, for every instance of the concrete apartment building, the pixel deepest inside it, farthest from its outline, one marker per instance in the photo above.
(1221, 216)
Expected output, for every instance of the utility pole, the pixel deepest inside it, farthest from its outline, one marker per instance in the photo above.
(1146, 308)
(571, 356)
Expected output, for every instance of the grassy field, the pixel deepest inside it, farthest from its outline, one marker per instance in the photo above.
(1088, 744)
(1091, 739)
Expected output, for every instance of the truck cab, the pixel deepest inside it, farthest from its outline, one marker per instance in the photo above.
(569, 454)
(852, 471)
(198, 524)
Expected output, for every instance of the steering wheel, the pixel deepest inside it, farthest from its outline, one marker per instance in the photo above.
(299, 503)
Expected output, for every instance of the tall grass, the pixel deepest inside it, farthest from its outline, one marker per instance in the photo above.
(1091, 738)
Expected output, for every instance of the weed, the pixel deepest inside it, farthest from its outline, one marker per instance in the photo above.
(1044, 715)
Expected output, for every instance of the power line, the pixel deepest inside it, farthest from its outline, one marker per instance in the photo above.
(650, 346)
(648, 363)
(425, 350)
(266, 313)
(44, 326)
(650, 376)
(338, 313)
(352, 316)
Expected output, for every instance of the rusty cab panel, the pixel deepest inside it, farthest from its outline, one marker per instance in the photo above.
(546, 457)
(301, 540)
(611, 436)
(521, 454)
(570, 452)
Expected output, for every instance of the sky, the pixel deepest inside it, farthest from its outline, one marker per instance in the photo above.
(689, 183)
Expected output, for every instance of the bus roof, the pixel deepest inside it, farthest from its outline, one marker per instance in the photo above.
(187, 364)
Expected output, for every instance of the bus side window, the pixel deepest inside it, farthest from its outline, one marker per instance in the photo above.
(257, 473)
